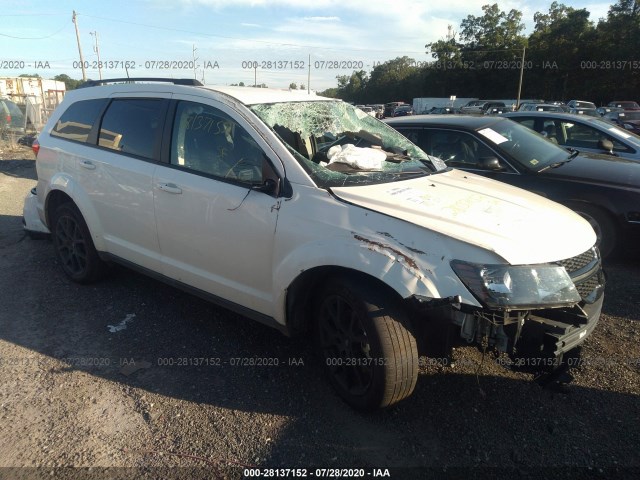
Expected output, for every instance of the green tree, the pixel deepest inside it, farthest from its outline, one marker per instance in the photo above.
(493, 30)
(562, 39)
(29, 75)
(352, 87)
(293, 86)
(70, 83)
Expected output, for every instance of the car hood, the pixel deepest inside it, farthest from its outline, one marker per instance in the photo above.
(600, 170)
(521, 227)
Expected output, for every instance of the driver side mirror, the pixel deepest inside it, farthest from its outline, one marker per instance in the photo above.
(606, 145)
(269, 186)
(490, 163)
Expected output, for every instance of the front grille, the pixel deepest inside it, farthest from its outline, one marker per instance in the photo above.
(587, 286)
(586, 272)
(574, 264)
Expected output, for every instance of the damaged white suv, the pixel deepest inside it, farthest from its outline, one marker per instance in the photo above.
(309, 215)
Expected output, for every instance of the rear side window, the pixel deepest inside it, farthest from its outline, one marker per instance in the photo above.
(76, 122)
(132, 126)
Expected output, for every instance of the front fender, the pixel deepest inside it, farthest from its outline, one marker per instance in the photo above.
(404, 271)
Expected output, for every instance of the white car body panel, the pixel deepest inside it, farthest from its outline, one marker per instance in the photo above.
(215, 239)
(482, 212)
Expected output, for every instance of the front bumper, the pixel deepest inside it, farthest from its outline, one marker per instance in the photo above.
(536, 340)
(30, 218)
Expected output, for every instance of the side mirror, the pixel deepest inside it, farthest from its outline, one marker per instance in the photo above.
(269, 186)
(606, 145)
(490, 163)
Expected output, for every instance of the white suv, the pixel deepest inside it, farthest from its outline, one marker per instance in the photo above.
(309, 215)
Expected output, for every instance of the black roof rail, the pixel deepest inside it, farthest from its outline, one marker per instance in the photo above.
(175, 81)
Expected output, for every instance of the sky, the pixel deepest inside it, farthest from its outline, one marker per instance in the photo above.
(272, 42)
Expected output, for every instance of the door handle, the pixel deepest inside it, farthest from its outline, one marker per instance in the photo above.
(170, 188)
(87, 164)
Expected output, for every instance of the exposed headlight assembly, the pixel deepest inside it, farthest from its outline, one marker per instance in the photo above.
(521, 287)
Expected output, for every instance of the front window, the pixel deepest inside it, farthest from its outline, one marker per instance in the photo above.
(525, 146)
(340, 145)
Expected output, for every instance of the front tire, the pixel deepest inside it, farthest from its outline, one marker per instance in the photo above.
(602, 225)
(74, 246)
(366, 344)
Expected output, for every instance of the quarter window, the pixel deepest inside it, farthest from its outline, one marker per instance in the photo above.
(132, 126)
(77, 121)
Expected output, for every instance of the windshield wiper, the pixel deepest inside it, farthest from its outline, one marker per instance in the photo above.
(572, 155)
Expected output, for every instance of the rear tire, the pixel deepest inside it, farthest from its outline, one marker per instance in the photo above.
(74, 246)
(366, 344)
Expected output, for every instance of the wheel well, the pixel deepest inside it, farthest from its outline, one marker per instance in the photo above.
(302, 290)
(54, 200)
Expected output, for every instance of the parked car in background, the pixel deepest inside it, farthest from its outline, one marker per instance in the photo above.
(307, 215)
(624, 104)
(604, 110)
(627, 119)
(582, 133)
(581, 104)
(474, 106)
(378, 108)
(589, 112)
(12, 120)
(605, 190)
(480, 106)
(367, 110)
(390, 107)
(540, 107)
(581, 107)
(496, 110)
(443, 111)
(403, 111)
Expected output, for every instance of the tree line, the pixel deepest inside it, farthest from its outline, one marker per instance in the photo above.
(567, 56)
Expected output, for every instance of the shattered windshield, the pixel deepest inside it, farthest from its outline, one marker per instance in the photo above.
(340, 145)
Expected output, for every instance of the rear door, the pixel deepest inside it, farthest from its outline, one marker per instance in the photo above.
(215, 228)
(117, 174)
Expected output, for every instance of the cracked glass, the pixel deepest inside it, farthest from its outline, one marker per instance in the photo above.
(337, 144)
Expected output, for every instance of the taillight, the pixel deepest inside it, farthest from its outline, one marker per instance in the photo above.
(35, 146)
(8, 118)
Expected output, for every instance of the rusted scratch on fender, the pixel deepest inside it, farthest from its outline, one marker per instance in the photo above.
(414, 250)
(411, 263)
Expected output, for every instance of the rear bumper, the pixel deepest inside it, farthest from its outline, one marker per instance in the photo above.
(30, 218)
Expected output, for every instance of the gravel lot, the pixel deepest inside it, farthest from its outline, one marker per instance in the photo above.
(130, 377)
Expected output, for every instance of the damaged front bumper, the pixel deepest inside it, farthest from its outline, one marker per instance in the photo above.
(535, 339)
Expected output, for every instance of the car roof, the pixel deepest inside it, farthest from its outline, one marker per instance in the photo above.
(471, 122)
(246, 95)
(558, 115)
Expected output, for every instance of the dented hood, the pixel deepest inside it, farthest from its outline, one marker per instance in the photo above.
(521, 227)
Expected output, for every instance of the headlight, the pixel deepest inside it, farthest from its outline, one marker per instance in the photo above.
(506, 287)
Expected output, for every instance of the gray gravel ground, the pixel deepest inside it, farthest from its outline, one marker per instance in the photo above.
(165, 398)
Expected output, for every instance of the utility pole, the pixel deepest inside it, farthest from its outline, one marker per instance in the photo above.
(75, 22)
(309, 76)
(96, 49)
(521, 74)
(195, 72)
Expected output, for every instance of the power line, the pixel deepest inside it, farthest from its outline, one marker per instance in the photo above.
(33, 38)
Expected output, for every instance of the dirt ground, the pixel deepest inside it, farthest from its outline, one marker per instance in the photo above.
(130, 378)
